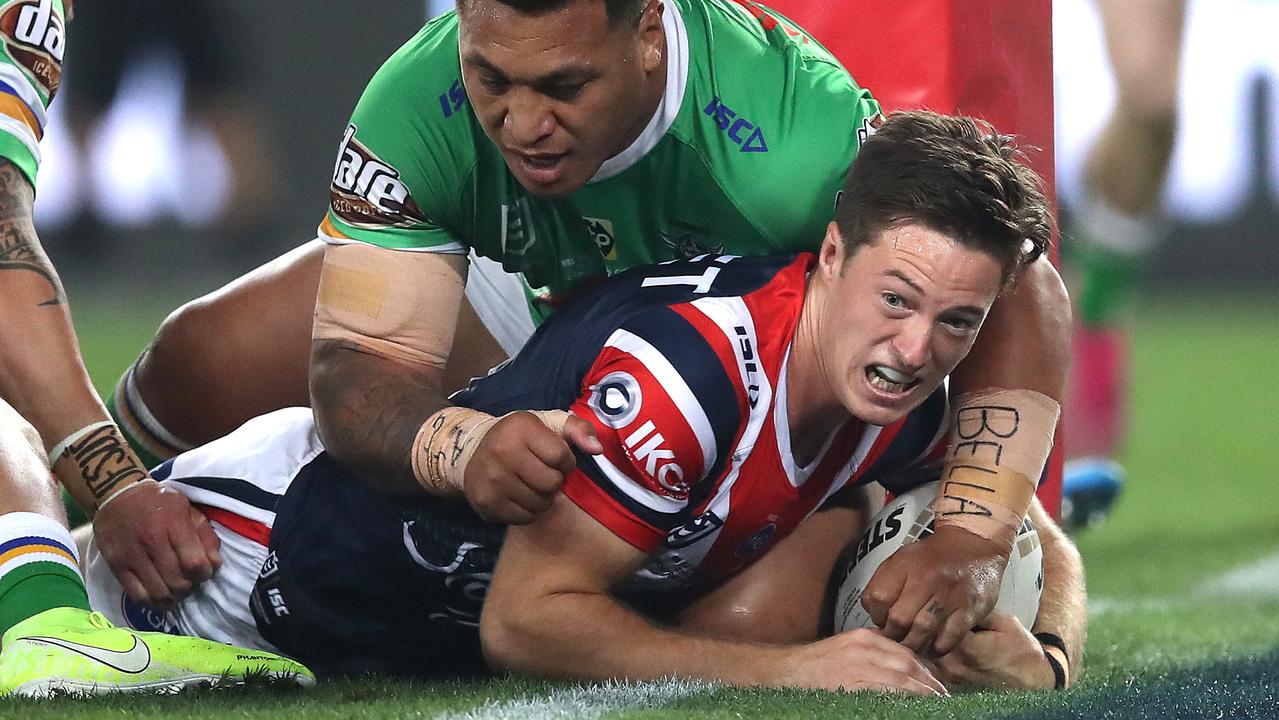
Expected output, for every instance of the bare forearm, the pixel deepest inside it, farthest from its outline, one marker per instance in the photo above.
(368, 411)
(41, 373)
(1064, 604)
(588, 636)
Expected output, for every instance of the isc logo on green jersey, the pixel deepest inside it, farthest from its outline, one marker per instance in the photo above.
(35, 37)
(367, 192)
(736, 126)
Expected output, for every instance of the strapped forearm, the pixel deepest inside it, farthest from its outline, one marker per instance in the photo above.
(998, 448)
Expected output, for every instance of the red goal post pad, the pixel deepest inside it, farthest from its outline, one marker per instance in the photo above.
(991, 59)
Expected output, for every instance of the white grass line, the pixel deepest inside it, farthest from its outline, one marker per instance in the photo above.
(586, 702)
(1098, 606)
(1258, 580)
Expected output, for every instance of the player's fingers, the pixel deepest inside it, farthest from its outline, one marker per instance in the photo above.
(208, 538)
(133, 587)
(902, 613)
(882, 594)
(154, 586)
(924, 626)
(953, 631)
(954, 670)
(914, 684)
(164, 559)
(519, 501)
(552, 451)
(192, 559)
(581, 435)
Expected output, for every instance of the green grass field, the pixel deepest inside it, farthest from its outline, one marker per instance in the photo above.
(1184, 577)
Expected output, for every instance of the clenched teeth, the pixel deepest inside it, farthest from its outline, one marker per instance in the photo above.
(889, 379)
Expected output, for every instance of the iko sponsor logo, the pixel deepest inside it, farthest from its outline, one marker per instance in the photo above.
(369, 193)
(749, 365)
(602, 235)
(36, 38)
(645, 445)
(736, 127)
(703, 526)
(616, 399)
(453, 100)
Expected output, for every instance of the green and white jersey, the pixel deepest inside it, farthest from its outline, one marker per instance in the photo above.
(33, 37)
(745, 155)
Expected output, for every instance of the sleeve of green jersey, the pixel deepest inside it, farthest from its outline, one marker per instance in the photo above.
(397, 176)
(33, 36)
(822, 117)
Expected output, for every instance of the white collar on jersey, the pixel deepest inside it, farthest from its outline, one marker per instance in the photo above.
(672, 97)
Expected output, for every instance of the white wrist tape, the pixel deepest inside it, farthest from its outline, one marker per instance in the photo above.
(56, 452)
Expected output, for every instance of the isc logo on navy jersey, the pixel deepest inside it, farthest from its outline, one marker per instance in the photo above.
(736, 127)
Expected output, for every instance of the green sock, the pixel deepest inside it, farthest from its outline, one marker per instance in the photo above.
(30, 589)
(129, 426)
(1108, 283)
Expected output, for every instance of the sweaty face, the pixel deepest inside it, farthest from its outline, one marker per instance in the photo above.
(558, 92)
(902, 313)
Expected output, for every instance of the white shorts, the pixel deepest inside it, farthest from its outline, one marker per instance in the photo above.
(235, 481)
(499, 300)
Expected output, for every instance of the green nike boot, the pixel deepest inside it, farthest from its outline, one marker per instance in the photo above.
(68, 650)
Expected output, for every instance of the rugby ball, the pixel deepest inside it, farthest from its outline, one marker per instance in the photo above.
(909, 517)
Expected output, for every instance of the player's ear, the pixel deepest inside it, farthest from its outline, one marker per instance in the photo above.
(652, 36)
(831, 256)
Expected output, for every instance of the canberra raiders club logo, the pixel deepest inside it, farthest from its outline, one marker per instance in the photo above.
(686, 241)
(367, 192)
(36, 39)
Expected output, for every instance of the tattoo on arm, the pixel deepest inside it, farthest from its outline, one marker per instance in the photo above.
(19, 248)
(105, 462)
(368, 416)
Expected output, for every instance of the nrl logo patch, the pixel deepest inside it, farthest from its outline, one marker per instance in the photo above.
(367, 192)
(35, 38)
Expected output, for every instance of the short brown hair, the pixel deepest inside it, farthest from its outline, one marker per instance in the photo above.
(953, 174)
(620, 12)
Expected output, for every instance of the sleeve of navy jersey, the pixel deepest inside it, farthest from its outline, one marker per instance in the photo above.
(656, 398)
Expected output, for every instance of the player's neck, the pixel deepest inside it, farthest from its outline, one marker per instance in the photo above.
(655, 88)
(812, 403)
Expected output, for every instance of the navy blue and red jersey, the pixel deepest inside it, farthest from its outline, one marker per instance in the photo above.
(681, 369)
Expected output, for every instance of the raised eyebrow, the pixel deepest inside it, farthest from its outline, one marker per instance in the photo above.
(902, 276)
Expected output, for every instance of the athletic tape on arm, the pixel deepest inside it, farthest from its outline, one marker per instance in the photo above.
(448, 439)
(997, 452)
(398, 305)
